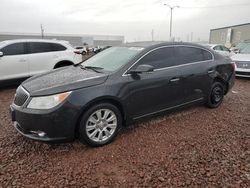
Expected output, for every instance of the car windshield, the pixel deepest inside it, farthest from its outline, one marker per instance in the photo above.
(241, 45)
(246, 50)
(112, 58)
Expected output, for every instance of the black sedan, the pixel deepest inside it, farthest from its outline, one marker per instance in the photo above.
(94, 99)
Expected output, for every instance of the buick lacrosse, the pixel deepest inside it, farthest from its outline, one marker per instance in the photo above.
(91, 101)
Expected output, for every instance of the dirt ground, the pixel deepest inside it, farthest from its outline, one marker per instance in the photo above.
(195, 147)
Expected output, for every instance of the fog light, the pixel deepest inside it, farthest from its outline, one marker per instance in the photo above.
(39, 133)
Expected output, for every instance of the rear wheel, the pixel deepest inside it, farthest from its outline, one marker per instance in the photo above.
(216, 95)
(100, 124)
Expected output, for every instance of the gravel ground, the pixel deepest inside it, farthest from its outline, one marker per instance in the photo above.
(195, 147)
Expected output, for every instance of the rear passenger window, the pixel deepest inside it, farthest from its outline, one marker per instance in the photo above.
(160, 58)
(186, 55)
(57, 47)
(207, 55)
(41, 47)
(14, 49)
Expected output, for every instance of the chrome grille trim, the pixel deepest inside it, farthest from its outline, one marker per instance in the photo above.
(21, 96)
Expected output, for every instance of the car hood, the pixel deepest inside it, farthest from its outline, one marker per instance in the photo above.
(241, 57)
(63, 79)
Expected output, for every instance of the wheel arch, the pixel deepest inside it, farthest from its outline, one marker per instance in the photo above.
(106, 99)
(63, 63)
(225, 84)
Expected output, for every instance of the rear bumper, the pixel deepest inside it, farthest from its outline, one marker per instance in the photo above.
(243, 74)
(231, 82)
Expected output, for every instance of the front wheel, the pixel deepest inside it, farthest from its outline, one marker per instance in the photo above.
(216, 95)
(100, 124)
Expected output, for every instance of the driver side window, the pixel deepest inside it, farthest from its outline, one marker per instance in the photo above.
(159, 58)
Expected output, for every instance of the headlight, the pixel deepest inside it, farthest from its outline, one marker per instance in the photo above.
(47, 102)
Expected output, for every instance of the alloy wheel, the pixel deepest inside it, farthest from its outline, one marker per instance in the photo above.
(101, 125)
(217, 95)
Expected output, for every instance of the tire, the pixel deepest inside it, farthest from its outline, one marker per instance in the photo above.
(216, 95)
(97, 130)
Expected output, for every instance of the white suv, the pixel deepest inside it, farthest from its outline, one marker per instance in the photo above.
(25, 58)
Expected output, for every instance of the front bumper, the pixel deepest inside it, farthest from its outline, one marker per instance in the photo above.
(46, 126)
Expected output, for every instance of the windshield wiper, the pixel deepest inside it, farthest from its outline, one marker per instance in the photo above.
(96, 69)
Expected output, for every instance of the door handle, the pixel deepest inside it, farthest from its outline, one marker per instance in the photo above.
(22, 60)
(174, 79)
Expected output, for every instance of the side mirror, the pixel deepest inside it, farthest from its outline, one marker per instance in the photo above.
(1, 54)
(142, 69)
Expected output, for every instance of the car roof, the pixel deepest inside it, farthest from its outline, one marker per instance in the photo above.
(155, 44)
(33, 40)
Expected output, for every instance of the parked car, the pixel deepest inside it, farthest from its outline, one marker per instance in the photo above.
(221, 49)
(81, 50)
(97, 49)
(25, 58)
(119, 85)
(240, 46)
(242, 62)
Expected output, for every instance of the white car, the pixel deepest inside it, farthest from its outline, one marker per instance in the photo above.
(221, 49)
(28, 57)
(242, 62)
(82, 50)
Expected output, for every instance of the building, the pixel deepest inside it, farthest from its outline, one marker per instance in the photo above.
(75, 40)
(230, 35)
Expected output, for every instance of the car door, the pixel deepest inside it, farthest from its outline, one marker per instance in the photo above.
(197, 67)
(41, 57)
(14, 62)
(158, 90)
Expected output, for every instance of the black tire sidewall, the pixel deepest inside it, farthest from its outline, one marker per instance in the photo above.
(210, 104)
(83, 137)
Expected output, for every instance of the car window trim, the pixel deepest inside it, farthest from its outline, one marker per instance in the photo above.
(174, 66)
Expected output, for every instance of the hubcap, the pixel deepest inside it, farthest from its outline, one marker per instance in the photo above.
(101, 125)
(217, 94)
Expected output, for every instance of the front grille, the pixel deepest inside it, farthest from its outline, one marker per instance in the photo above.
(243, 64)
(21, 96)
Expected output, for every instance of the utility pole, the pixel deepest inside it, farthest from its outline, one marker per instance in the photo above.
(171, 18)
(152, 34)
(42, 31)
(191, 36)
